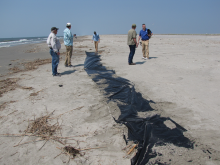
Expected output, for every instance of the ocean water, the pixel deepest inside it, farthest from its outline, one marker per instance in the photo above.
(8, 42)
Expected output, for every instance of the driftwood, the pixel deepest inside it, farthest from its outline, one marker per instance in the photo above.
(132, 149)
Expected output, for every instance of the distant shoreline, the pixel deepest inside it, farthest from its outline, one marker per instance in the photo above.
(106, 34)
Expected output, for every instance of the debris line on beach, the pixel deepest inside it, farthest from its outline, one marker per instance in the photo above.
(40, 126)
(8, 84)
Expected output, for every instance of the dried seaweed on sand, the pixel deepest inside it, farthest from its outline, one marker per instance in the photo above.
(41, 127)
(8, 84)
(15, 69)
(31, 65)
(34, 64)
(71, 151)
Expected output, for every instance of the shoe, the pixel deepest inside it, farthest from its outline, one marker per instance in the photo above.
(58, 75)
(66, 65)
(143, 57)
(146, 58)
(132, 64)
(70, 66)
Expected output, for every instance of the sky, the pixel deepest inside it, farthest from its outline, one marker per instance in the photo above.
(34, 18)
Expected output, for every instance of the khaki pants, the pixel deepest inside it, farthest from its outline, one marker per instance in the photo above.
(96, 46)
(69, 50)
(145, 48)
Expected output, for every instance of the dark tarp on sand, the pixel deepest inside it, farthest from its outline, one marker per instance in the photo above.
(148, 131)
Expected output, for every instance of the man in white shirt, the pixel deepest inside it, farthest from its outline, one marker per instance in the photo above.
(54, 45)
(68, 42)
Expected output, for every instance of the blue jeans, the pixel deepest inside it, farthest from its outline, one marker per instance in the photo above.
(55, 61)
(132, 52)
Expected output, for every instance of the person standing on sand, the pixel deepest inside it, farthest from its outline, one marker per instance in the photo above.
(68, 42)
(54, 45)
(132, 43)
(96, 40)
(145, 41)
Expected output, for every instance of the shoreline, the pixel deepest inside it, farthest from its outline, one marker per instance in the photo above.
(14, 56)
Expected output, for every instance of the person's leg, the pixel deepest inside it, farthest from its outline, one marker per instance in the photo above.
(144, 48)
(131, 55)
(56, 62)
(97, 46)
(67, 52)
(53, 62)
(133, 52)
(70, 55)
(147, 49)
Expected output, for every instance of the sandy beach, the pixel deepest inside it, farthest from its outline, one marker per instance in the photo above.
(181, 78)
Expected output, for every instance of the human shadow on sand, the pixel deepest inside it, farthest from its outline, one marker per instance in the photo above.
(68, 72)
(139, 63)
(152, 57)
(78, 65)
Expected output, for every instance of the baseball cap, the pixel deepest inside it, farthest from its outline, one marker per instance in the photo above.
(68, 24)
(54, 28)
(133, 25)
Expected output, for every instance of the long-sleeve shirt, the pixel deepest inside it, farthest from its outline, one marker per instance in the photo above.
(53, 42)
(68, 37)
(95, 37)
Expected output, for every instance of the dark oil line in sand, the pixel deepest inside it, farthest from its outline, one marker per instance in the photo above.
(147, 132)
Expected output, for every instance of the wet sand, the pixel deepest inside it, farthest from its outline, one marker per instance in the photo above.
(12, 56)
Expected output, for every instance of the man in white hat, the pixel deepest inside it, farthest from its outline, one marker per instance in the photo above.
(68, 42)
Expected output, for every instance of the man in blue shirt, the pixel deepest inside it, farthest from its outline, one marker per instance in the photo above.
(145, 41)
(96, 40)
(68, 42)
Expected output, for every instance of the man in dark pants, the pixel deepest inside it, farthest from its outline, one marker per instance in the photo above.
(132, 43)
(54, 45)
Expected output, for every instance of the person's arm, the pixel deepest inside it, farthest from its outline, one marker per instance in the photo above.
(48, 41)
(70, 35)
(58, 45)
(65, 36)
(71, 38)
(139, 37)
(134, 38)
(54, 44)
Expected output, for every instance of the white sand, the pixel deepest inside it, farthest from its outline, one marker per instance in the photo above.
(183, 79)
(93, 121)
(183, 72)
